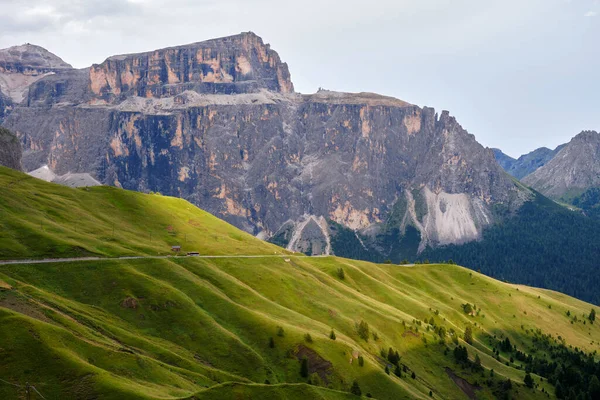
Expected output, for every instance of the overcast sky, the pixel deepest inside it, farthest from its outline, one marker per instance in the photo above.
(519, 74)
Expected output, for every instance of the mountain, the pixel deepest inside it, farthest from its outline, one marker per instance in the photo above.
(572, 171)
(527, 163)
(241, 327)
(10, 150)
(219, 124)
(20, 67)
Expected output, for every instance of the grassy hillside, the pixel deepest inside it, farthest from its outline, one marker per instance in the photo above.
(41, 219)
(207, 328)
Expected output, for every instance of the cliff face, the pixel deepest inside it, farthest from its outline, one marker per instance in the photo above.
(10, 150)
(574, 169)
(218, 123)
(237, 64)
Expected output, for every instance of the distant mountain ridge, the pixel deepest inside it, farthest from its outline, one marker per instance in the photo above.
(527, 163)
(575, 169)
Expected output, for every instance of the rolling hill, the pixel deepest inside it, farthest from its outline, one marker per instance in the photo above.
(274, 326)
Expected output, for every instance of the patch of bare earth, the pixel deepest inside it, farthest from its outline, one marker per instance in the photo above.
(316, 363)
(468, 389)
(130, 302)
(11, 301)
(410, 333)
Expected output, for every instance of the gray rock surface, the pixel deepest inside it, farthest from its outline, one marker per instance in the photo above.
(218, 123)
(10, 150)
(574, 169)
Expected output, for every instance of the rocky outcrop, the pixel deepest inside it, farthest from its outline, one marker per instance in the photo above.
(10, 150)
(21, 66)
(573, 170)
(527, 163)
(218, 123)
(69, 179)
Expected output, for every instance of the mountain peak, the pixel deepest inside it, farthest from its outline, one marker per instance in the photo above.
(574, 168)
(30, 56)
(236, 64)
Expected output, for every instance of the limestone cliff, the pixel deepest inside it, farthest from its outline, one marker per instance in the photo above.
(219, 124)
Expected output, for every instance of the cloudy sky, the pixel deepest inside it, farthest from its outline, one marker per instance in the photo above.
(519, 74)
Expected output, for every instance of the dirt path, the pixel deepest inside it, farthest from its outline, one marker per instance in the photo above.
(63, 260)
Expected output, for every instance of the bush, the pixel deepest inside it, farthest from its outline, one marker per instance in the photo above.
(332, 335)
(361, 361)
(341, 274)
(280, 332)
(308, 338)
(271, 343)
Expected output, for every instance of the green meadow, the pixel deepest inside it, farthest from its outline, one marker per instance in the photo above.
(247, 328)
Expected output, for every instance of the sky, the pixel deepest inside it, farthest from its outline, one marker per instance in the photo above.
(518, 74)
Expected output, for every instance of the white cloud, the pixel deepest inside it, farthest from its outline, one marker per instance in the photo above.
(590, 14)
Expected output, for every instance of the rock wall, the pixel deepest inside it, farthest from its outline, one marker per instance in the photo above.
(10, 150)
(218, 123)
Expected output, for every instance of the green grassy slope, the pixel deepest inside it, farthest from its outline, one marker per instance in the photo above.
(41, 219)
(195, 328)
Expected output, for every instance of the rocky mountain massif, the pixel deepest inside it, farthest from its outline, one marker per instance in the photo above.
(219, 124)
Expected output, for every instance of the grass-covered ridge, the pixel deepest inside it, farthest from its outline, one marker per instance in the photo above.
(201, 328)
(41, 219)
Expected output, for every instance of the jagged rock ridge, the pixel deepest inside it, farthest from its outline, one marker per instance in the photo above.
(574, 169)
(219, 124)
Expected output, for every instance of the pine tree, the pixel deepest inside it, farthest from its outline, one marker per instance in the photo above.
(558, 391)
(468, 337)
(592, 316)
(398, 371)
(271, 343)
(304, 368)
(477, 362)
(332, 335)
(363, 330)
(387, 369)
(413, 375)
(355, 389)
(280, 331)
(528, 380)
(361, 361)
(594, 388)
